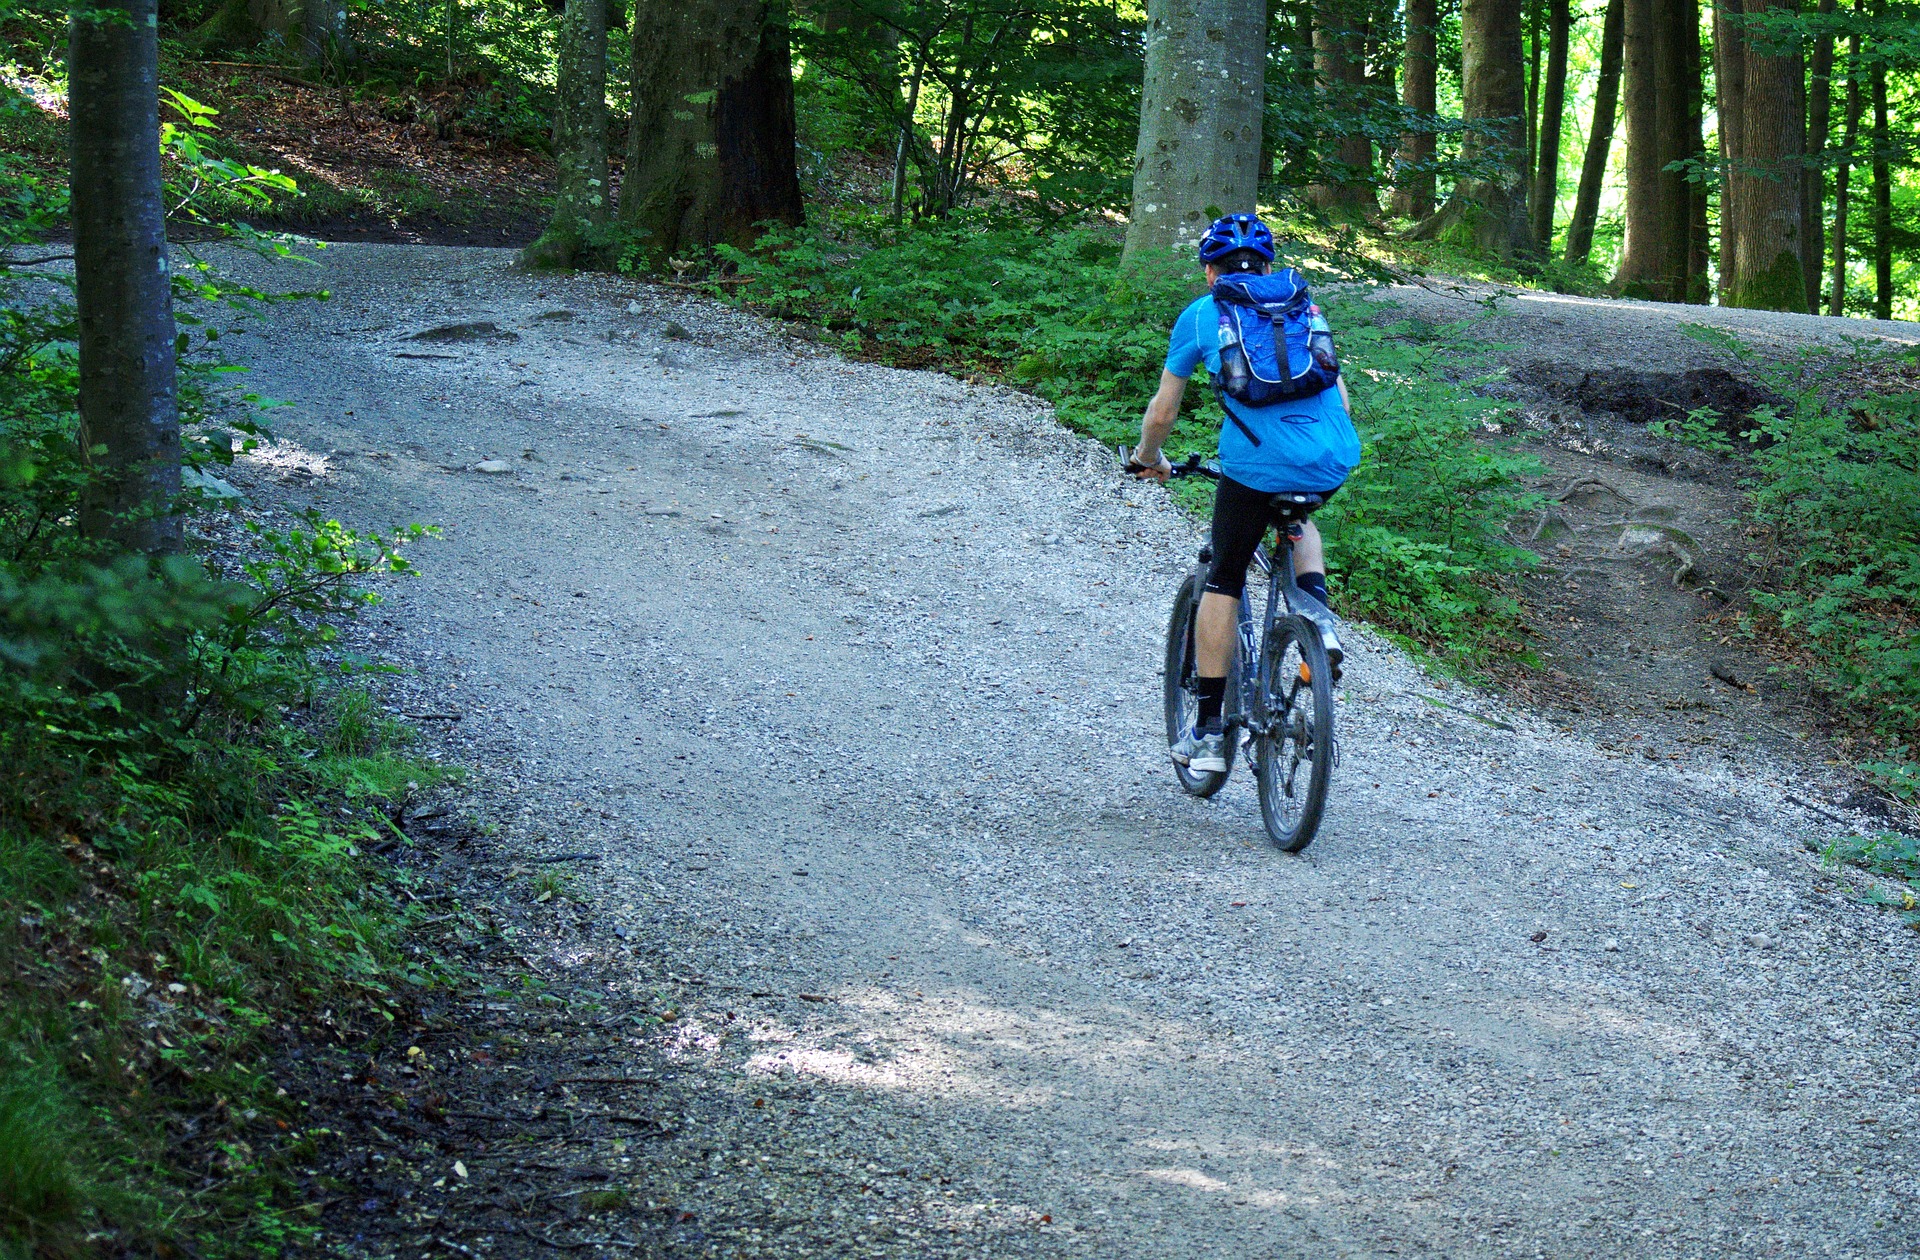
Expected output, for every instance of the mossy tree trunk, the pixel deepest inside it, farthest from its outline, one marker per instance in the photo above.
(580, 200)
(1766, 177)
(129, 416)
(1488, 211)
(710, 151)
(1339, 66)
(1198, 152)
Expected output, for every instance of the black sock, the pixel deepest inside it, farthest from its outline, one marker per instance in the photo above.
(1315, 584)
(1213, 697)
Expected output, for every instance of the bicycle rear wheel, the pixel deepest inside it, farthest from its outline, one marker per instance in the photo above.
(1293, 732)
(1183, 707)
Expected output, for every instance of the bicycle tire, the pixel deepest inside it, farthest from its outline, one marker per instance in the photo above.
(1182, 706)
(1293, 732)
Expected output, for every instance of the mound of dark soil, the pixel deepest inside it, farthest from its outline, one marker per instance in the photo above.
(1642, 397)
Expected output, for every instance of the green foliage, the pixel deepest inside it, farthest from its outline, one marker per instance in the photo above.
(1888, 854)
(1838, 486)
(189, 785)
(1417, 533)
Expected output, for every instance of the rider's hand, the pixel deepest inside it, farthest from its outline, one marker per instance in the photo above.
(1159, 470)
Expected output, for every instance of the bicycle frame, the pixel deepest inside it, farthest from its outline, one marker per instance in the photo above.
(1281, 594)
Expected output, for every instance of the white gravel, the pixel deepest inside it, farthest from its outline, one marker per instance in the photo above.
(850, 675)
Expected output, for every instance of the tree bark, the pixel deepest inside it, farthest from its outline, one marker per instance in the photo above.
(710, 148)
(1730, 85)
(580, 199)
(1882, 194)
(1693, 71)
(1677, 20)
(129, 415)
(1200, 115)
(1489, 212)
(1843, 178)
(1535, 47)
(1414, 187)
(323, 31)
(1767, 179)
(1339, 64)
(1553, 104)
(1641, 272)
(1606, 104)
(1813, 191)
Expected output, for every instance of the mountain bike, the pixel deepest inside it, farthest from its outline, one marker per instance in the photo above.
(1280, 689)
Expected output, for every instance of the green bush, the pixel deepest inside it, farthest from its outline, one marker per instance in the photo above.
(1417, 535)
(1837, 486)
(190, 784)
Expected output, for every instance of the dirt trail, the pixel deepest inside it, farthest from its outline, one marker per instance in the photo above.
(848, 676)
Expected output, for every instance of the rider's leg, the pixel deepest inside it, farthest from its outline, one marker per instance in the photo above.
(1310, 563)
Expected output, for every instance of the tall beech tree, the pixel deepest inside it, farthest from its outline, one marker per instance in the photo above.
(1200, 115)
(580, 131)
(1414, 187)
(1762, 87)
(1843, 179)
(129, 416)
(1606, 108)
(1813, 190)
(1339, 67)
(1553, 105)
(1882, 189)
(710, 146)
(1659, 57)
(1488, 210)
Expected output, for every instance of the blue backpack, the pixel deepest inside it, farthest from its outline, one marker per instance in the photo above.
(1258, 315)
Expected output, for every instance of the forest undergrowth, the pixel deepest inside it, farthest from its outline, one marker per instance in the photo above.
(194, 783)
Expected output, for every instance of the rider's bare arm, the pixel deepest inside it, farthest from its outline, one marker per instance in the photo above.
(1157, 423)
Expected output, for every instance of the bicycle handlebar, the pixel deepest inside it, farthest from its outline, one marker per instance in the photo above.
(1191, 466)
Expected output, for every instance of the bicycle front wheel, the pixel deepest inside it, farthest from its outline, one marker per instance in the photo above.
(1293, 732)
(1183, 707)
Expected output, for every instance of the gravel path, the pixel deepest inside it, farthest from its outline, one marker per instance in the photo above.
(849, 675)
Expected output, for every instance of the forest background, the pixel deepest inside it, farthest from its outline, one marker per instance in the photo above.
(194, 773)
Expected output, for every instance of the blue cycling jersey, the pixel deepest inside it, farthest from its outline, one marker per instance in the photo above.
(1306, 445)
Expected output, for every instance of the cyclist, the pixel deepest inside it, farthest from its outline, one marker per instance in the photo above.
(1300, 445)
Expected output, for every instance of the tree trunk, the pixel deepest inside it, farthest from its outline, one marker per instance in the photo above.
(1813, 191)
(323, 30)
(1553, 104)
(898, 205)
(1339, 64)
(1535, 47)
(1674, 21)
(710, 147)
(1200, 113)
(1730, 86)
(129, 416)
(1488, 213)
(1882, 194)
(1693, 70)
(1767, 179)
(580, 200)
(1606, 104)
(1843, 178)
(1414, 187)
(1641, 272)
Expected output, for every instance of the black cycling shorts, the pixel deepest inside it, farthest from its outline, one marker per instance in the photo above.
(1241, 518)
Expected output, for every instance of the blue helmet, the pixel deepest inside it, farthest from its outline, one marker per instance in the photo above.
(1235, 232)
